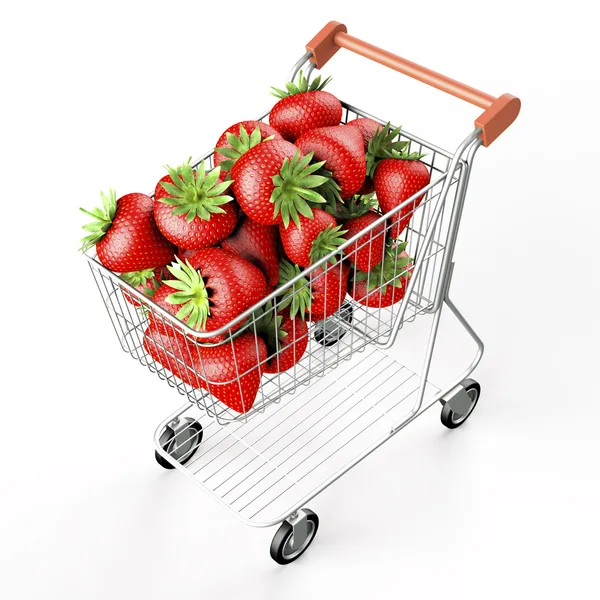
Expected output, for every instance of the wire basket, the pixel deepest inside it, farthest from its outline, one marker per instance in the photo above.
(361, 320)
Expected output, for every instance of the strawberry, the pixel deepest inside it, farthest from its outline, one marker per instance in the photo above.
(230, 372)
(190, 208)
(368, 129)
(304, 107)
(397, 175)
(146, 281)
(312, 238)
(235, 141)
(286, 338)
(213, 287)
(125, 234)
(177, 354)
(317, 297)
(258, 244)
(273, 183)
(357, 214)
(387, 282)
(342, 149)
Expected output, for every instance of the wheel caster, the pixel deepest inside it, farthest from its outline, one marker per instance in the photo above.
(294, 536)
(329, 332)
(180, 440)
(458, 409)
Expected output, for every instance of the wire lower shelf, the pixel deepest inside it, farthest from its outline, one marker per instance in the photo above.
(261, 467)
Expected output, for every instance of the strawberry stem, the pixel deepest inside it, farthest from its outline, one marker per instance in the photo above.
(298, 296)
(195, 193)
(294, 188)
(240, 144)
(300, 87)
(103, 218)
(327, 240)
(383, 146)
(388, 272)
(191, 293)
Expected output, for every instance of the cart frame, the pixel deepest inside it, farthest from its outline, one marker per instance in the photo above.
(180, 432)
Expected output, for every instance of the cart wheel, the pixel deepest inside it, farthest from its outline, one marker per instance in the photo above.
(453, 419)
(328, 332)
(182, 445)
(283, 550)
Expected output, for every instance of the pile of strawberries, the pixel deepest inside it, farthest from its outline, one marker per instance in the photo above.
(281, 196)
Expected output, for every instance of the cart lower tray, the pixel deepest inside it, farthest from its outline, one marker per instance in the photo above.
(262, 467)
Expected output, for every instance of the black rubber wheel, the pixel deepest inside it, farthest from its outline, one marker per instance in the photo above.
(328, 332)
(452, 419)
(182, 448)
(282, 551)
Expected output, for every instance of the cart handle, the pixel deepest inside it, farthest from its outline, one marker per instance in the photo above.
(499, 112)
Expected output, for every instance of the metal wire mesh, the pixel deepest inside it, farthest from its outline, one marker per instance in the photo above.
(362, 321)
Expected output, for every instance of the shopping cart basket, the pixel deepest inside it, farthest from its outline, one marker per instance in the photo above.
(347, 395)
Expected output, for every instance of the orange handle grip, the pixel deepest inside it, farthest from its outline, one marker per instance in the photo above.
(499, 112)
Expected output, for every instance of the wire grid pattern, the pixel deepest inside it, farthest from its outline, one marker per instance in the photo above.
(348, 331)
(263, 466)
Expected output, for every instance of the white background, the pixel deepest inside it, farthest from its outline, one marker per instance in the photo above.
(102, 94)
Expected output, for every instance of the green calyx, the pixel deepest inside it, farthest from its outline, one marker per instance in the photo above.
(103, 218)
(142, 278)
(300, 86)
(268, 326)
(240, 144)
(390, 271)
(328, 240)
(294, 188)
(384, 145)
(357, 206)
(298, 296)
(191, 293)
(195, 196)
(330, 190)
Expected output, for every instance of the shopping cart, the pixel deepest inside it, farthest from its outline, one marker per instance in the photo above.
(347, 395)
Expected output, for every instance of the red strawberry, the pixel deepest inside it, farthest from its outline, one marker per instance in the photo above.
(258, 244)
(369, 250)
(317, 296)
(311, 239)
(286, 338)
(177, 354)
(190, 208)
(230, 372)
(368, 128)
(397, 176)
(342, 149)
(356, 215)
(303, 107)
(125, 234)
(387, 282)
(146, 281)
(273, 182)
(238, 139)
(211, 289)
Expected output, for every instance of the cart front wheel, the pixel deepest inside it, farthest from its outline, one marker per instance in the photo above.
(180, 442)
(284, 548)
(330, 332)
(455, 418)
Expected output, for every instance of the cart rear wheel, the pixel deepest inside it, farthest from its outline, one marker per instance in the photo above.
(452, 418)
(329, 332)
(283, 549)
(180, 445)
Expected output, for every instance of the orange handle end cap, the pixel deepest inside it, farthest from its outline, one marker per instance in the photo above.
(323, 45)
(497, 118)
